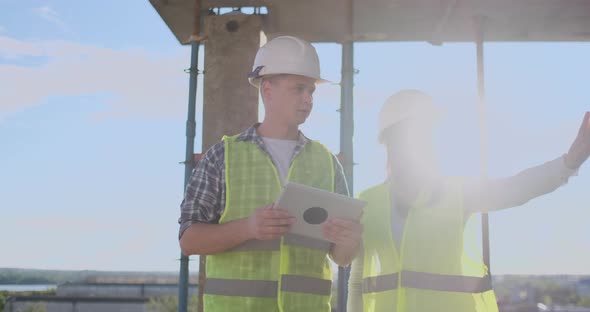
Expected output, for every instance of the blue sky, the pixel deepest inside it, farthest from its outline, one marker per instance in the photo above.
(92, 112)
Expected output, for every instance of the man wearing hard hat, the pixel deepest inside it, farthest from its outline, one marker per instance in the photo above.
(413, 254)
(228, 213)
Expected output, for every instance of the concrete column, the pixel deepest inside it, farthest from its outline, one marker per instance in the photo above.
(230, 103)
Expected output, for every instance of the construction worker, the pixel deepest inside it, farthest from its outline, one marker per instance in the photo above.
(413, 255)
(228, 213)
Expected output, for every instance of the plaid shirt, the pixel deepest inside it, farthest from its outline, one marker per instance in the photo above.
(204, 197)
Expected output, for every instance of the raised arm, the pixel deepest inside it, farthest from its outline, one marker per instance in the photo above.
(514, 191)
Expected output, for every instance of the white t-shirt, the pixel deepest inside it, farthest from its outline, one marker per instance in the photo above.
(281, 152)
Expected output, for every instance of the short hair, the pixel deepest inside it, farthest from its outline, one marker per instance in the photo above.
(271, 79)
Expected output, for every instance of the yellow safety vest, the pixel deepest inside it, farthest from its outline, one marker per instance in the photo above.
(289, 274)
(431, 271)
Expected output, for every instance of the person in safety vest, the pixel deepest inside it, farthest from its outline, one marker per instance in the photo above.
(413, 256)
(228, 214)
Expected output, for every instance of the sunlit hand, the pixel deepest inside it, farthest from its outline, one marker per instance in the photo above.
(268, 223)
(580, 149)
(343, 232)
(346, 236)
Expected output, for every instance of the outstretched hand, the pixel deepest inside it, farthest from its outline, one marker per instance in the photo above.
(580, 149)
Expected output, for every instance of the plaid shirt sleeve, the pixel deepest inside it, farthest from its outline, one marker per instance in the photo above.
(205, 193)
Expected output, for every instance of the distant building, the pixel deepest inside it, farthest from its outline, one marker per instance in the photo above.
(557, 308)
(75, 304)
(583, 287)
(539, 307)
(119, 290)
(104, 293)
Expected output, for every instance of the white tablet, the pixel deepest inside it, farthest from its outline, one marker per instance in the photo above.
(311, 207)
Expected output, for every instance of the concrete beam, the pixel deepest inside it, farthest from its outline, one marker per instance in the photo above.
(230, 103)
(434, 21)
(235, 3)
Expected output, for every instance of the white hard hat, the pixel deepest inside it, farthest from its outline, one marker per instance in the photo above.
(404, 105)
(285, 55)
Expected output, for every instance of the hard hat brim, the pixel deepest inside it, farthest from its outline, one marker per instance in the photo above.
(255, 81)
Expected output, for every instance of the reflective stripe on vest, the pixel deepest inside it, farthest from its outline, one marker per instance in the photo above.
(242, 288)
(289, 239)
(380, 283)
(267, 289)
(421, 280)
(440, 282)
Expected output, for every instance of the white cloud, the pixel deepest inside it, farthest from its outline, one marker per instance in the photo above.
(50, 15)
(11, 48)
(139, 83)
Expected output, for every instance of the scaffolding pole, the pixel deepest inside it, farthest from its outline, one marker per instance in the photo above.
(347, 132)
(189, 165)
(483, 142)
(346, 147)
